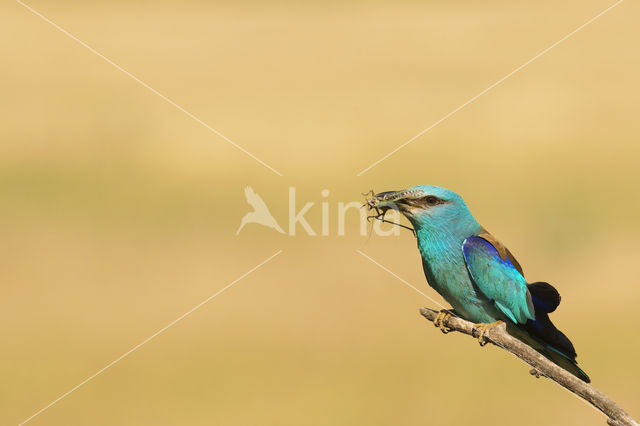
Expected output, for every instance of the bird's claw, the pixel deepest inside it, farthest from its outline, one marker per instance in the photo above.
(483, 329)
(438, 322)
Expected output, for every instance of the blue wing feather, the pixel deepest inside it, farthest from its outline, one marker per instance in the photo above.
(498, 279)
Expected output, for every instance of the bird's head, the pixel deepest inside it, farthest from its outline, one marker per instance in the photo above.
(428, 208)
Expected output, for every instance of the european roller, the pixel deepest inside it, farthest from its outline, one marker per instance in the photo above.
(478, 275)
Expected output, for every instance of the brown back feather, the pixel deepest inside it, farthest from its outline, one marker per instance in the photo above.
(503, 251)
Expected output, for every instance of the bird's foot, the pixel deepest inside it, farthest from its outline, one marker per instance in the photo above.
(443, 316)
(483, 329)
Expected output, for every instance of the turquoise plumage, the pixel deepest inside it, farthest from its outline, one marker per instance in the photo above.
(498, 280)
(476, 274)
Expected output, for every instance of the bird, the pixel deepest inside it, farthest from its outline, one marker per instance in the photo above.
(260, 213)
(477, 274)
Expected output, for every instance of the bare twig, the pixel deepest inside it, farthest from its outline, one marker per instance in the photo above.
(541, 366)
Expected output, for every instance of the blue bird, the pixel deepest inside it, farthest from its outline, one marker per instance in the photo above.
(478, 275)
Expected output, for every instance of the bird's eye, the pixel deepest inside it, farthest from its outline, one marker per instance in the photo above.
(431, 200)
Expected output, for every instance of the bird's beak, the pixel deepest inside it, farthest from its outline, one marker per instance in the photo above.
(396, 200)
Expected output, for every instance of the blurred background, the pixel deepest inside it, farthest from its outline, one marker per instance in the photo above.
(118, 212)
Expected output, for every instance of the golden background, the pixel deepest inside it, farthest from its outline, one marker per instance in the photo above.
(118, 212)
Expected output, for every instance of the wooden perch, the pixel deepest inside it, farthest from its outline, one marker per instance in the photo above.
(541, 366)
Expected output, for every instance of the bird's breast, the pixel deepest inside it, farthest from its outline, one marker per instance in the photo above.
(446, 271)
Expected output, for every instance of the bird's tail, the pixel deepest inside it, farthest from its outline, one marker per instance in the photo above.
(543, 336)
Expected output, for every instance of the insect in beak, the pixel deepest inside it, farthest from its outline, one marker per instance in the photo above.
(373, 201)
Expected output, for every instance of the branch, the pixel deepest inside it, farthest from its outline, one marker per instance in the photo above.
(541, 366)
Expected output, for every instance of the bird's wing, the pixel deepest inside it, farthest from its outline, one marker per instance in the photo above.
(498, 278)
(502, 249)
